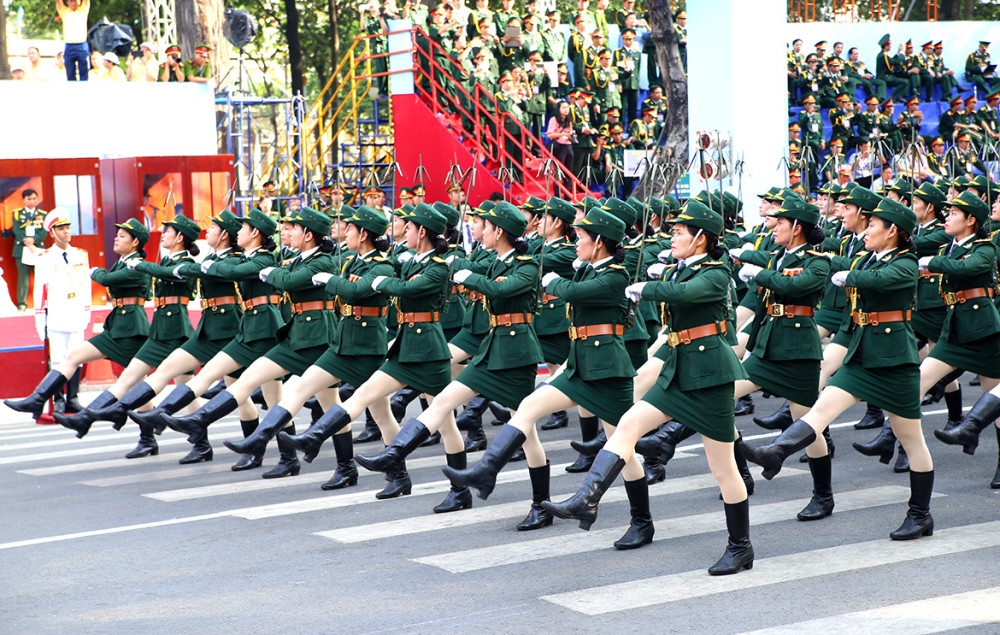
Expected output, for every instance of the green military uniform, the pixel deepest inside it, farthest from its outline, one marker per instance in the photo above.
(126, 326)
(641, 135)
(583, 144)
(575, 52)
(965, 119)
(476, 323)
(893, 135)
(830, 86)
(475, 16)
(261, 315)
(856, 71)
(892, 70)
(987, 119)
(537, 104)
(554, 49)
(552, 324)
(193, 70)
(627, 61)
(928, 318)
(26, 224)
(842, 126)
(378, 45)
(660, 108)
(832, 309)
(171, 326)
(680, 33)
(974, 65)
(221, 311)
(946, 122)
(606, 88)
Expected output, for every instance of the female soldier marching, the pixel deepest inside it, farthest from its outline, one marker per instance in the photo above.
(125, 328)
(880, 366)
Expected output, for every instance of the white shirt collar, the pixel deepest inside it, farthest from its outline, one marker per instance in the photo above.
(503, 256)
(965, 240)
(884, 252)
(305, 254)
(420, 257)
(247, 254)
(600, 262)
(796, 248)
(366, 254)
(223, 252)
(693, 259)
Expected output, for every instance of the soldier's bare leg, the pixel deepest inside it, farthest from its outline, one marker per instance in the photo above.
(911, 436)
(77, 357)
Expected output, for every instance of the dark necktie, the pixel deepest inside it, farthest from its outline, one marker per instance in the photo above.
(65, 258)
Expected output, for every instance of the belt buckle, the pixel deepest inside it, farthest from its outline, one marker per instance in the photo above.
(493, 322)
(862, 318)
(950, 297)
(346, 309)
(673, 339)
(777, 310)
(573, 333)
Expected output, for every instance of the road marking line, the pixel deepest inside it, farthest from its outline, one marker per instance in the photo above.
(69, 439)
(582, 542)
(72, 468)
(111, 530)
(769, 571)
(422, 524)
(933, 615)
(162, 475)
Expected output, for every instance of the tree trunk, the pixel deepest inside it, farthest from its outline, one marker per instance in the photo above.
(4, 62)
(199, 22)
(949, 9)
(675, 150)
(294, 47)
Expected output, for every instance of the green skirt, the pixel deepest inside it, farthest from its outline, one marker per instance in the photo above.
(507, 387)
(927, 323)
(637, 352)
(796, 380)
(204, 349)
(981, 356)
(246, 353)
(352, 369)
(120, 350)
(295, 361)
(895, 389)
(467, 341)
(829, 318)
(153, 352)
(707, 411)
(607, 398)
(555, 348)
(427, 377)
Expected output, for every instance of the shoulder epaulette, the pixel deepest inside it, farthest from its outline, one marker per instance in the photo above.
(620, 267)
(775, 252)
(980, 241)
(439, 259)
(380, 259)
(650, 239)
(812, 252)
(731, 231)
(525, 258)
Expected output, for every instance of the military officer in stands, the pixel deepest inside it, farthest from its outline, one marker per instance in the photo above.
(28, 232)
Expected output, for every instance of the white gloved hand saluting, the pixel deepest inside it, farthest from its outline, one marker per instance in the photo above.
(577, 264)
(377, 281)
(748, 272)
(924, 261)
(265, 272)
(320, 279)
(634, 291)
(461, 276)
(131, 264)
(655, 271)
(206, 266)
(664, 256)
(839, 278)
(404, 257)
(549, 277)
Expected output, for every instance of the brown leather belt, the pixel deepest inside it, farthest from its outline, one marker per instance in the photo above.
(171, 299)
(120, 302)
(351, 310)
(875, 317)
(475, 296)
(960, 297)
(261, 299)
(686, 336)
(506, 319)
(593, 330)
(420, 316)
(211, 303)
(315, 305)
(549, 298)
(789, 310)
(927, 275)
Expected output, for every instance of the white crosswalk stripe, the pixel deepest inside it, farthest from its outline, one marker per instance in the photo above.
(796, 566)
(422, 524)
(669, 528)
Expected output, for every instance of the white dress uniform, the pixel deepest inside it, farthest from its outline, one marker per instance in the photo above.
(62, 299)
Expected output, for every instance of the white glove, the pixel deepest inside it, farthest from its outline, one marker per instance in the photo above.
(634, 291)
(265, 272)
(664, 256)
(450, 259)
(206, 265)
(177, 269)
(923, 262)
(404, 257)
(548, 278)
(748, 272)
(839, 278)
(577, 264)
(655, 271)
(461, 275)
(93, 269)
(377, 281)
(735, 253)
(40, 324)
(131, 264)
(320, 279)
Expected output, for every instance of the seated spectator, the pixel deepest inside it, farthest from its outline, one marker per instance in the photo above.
(197, 69)
(145, 68)
(36, 71)
(17, 74)
(96, 64)
(110, 71)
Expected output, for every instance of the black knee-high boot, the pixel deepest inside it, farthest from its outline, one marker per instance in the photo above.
(192, 425)
(288, 461)
(257, 398)
(310, 441)
(407, 440)
(399, 483)
(178, 398)
(216, 388)
(398, 404)
(202, 451)
(918, 521)
(538, 516)
(472, 414)
(874, 417)
(882, 446)
(501, 414)
(583, 504)
(821, 504)
(558, 419)
(780, 420)
(81, 421)
(346, 474)
(640, 530)
(459, 496)
(772, 456)
(117, 412)
(655, 472)
(983, 413)
(662, 444)
(739, 551)
(275, 420)
(248, 461)
(73, 404)
(995, 484)
(742, 467)
(953, 400)
(483, 475)
(743, 406)
(147, 445)
(35, 402)
(590, 429)
(371, 431)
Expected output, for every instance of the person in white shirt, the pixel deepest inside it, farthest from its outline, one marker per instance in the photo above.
(62, 297)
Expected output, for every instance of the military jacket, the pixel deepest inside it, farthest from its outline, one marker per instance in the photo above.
(170, 321)
(420, 287)
(360, 335)
(559, 257)
(27, 225)
(129, 320)
(928, 240)
(308, 328)
(968, 266)
(263, 321)
(627, 61)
